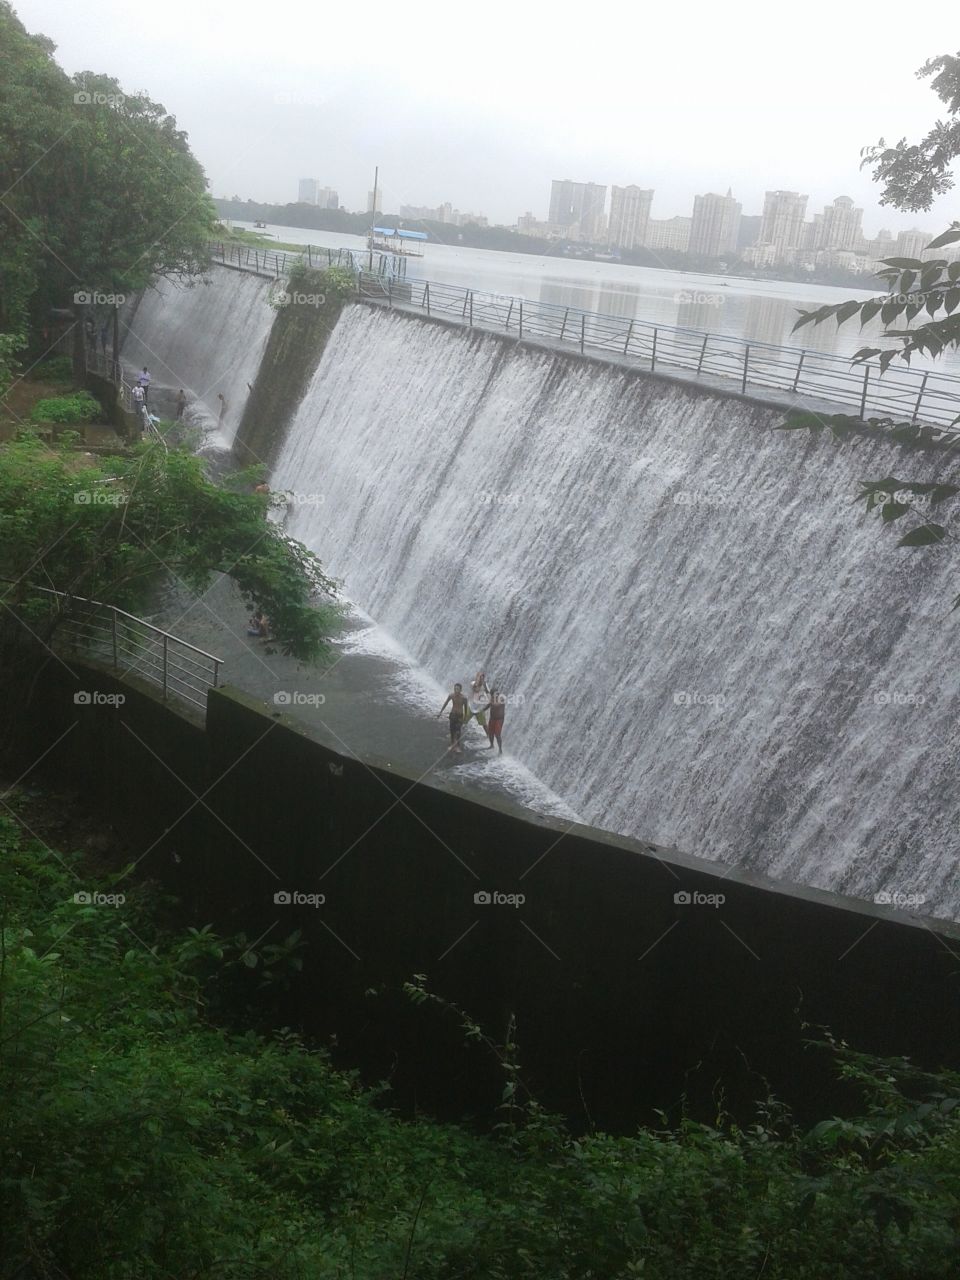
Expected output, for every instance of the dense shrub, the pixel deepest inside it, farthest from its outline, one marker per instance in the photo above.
(56, 369)
(142, 1141)
(79, 406)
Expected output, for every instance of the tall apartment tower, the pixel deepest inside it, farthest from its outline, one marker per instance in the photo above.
(841, 225)
(307, 191)
(629, 216)
(578, 208)
(782, 225)
(911, 244)
(715, 225)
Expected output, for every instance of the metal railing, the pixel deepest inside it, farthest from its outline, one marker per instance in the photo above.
(904, 393)
(276, 262)
(132, 645)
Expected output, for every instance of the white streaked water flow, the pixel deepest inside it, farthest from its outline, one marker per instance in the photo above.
(703, 643)
(208, 337)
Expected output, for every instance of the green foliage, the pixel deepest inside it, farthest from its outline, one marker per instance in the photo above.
(145, 1141)
(913, 175)
(56, 369)
(80, 406)
(102, 193)
(118, 528)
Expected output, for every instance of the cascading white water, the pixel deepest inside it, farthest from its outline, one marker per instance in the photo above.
(208, 338)
(702, 642)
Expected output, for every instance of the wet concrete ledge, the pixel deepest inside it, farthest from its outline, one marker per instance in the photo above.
(635, 974)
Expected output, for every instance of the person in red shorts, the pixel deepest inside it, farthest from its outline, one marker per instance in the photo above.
(496, 706)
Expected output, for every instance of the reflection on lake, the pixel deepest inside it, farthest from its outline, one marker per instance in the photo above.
(756, 310)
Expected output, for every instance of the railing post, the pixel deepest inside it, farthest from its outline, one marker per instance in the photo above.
(703, 352)
(583, 332)
(653, 353)
(626, 345)
(521, 319)
(923, 384)
(863, 394)
(113, 615)
(216, 672)
(426, 296)
(471, 309)
(165, 665)
(563, 327)
(746, 365)
(390, 292)
(309, 257)
(509, 314)
(796, 376)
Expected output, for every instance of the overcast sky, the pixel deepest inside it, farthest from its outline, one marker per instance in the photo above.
(484, 104)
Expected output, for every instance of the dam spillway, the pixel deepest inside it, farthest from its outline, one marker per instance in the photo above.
(702, 642)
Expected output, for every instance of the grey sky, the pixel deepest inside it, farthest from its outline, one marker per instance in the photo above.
(483, 104)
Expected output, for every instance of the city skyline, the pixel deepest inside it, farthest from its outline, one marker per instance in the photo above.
(472, 112)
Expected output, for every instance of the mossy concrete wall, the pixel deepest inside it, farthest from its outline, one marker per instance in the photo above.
(295, 345)
(625, 997)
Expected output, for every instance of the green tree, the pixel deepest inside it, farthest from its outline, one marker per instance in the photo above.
(118, 529)
(101, 194)
(913, 175)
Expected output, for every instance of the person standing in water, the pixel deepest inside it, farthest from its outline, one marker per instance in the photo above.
(181, 404)
(476, 706)
(458, 705)
(497, 707)
(223, 405)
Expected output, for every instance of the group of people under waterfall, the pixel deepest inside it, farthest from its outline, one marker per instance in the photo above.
(480, 702)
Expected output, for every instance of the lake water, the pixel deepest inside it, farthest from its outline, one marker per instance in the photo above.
(757, 310)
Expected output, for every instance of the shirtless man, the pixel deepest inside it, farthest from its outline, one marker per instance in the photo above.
(497, 707)
(458, 704)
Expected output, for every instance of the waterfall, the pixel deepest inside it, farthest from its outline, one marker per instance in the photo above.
(207, 337)
(703, 643)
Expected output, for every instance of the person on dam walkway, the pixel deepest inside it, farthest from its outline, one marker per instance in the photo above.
(458, 705)
(181, 404)
(497, 707)
(143, 380)
(476, 704)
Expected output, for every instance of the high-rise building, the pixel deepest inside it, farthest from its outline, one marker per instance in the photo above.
(578, 208)
(749, 232)
(669, 233)
(327, 198)
(629, 215)
(782, 225)
(307, 192)
(840, 227)
(911, 244)
(715, 223)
